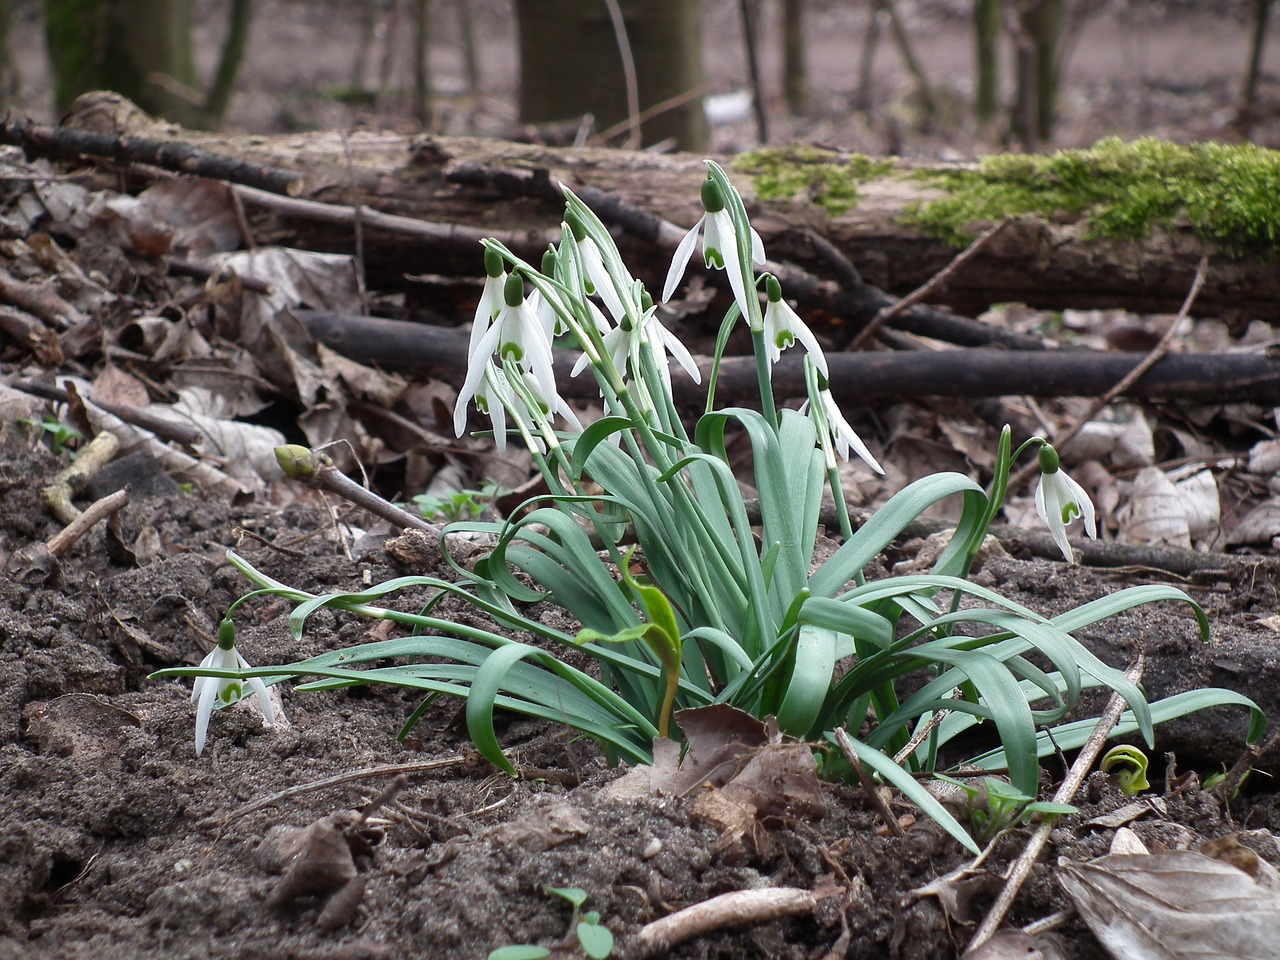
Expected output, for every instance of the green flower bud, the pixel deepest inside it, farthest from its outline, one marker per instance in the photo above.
(773, 288)
(712, 198)
(646, 301)
(1048, 460)
(513, 291)
(574, 220)
(549, 261)
(494, 265)
(227, 634)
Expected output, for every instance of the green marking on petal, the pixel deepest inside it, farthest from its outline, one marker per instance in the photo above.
(1070, 510)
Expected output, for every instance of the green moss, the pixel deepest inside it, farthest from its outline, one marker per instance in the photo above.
(825, 177)
(1228, 193)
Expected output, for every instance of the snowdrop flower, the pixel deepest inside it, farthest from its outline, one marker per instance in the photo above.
(844, 437)
(1060, 500)
(517, 333)
(783, 327)
(719, 248)
(620, 343)
(598, 279)
(491, 301)
(209, 692)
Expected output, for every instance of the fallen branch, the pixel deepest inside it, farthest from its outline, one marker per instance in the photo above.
(858, 378)
(737, 909)
(531, 242)
(852, 300)
(93, 457)
(68, 143)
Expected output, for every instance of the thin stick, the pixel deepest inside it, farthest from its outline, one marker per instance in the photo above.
(938, 280)
(450, 233)
(316, 470)
(394, 769)
(842, 741)
(628, 73)
(753, 66)
(1021, 868)
(86, 521)
(739, 908)
(1158, 353)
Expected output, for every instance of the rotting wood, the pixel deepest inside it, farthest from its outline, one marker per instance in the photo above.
(1053, 265)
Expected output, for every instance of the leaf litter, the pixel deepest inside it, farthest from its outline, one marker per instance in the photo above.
(113, 834)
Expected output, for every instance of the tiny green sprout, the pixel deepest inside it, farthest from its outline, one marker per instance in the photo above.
(1214, 779)
(62, 436)
(458, 505)
(1130, 767)
(995, 805)
(593, 938)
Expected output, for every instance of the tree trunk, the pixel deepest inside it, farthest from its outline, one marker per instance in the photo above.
(139, 48)
(987, 16)
(571, 65)
(795, 74)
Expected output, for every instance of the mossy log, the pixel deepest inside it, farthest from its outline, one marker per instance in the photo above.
(1123, 225)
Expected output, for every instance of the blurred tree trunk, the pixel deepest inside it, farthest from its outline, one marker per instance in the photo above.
(795, 75)
(1038, 42)
(8, 71)
(570, 65)
(1246, 113)
(141, 49)
(987, 15)
(422, 65)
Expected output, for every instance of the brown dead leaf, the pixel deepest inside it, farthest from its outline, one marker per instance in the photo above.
(1180, 905)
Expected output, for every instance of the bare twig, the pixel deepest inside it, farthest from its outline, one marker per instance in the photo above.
(842, 741)
(448, 233)
(96, 512)
(317, 470)
(1021, 868)
(737, 909)
(93, 457)
(628, 62)
(1157, 353)
(390, 770)
(937, 281)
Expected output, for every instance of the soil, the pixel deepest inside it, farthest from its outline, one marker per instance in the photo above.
(119, 842)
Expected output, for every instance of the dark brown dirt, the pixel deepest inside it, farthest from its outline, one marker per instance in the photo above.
(118, 842)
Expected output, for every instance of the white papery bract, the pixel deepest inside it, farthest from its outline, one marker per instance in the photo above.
(1060, 501)
(210, 692)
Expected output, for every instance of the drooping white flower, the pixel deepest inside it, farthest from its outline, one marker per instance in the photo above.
(517, 333)
(783, 328)
(621, 344)
(843, 436)
(209, 692)
(719, 248)
(1060, 500)
(491, 302)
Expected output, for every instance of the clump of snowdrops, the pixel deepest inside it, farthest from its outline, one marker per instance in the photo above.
(685, 599)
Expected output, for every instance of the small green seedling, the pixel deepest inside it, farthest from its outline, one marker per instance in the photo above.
(1129, 765)
(994, 805)
(62, 436)
(593, 938)
(1214, 779)
(459, 505)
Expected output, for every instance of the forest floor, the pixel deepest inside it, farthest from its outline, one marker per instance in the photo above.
(117, 842)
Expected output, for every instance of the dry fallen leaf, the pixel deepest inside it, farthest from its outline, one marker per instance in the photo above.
(1179, 905)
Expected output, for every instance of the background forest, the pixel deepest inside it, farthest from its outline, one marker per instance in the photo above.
(937, 78)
